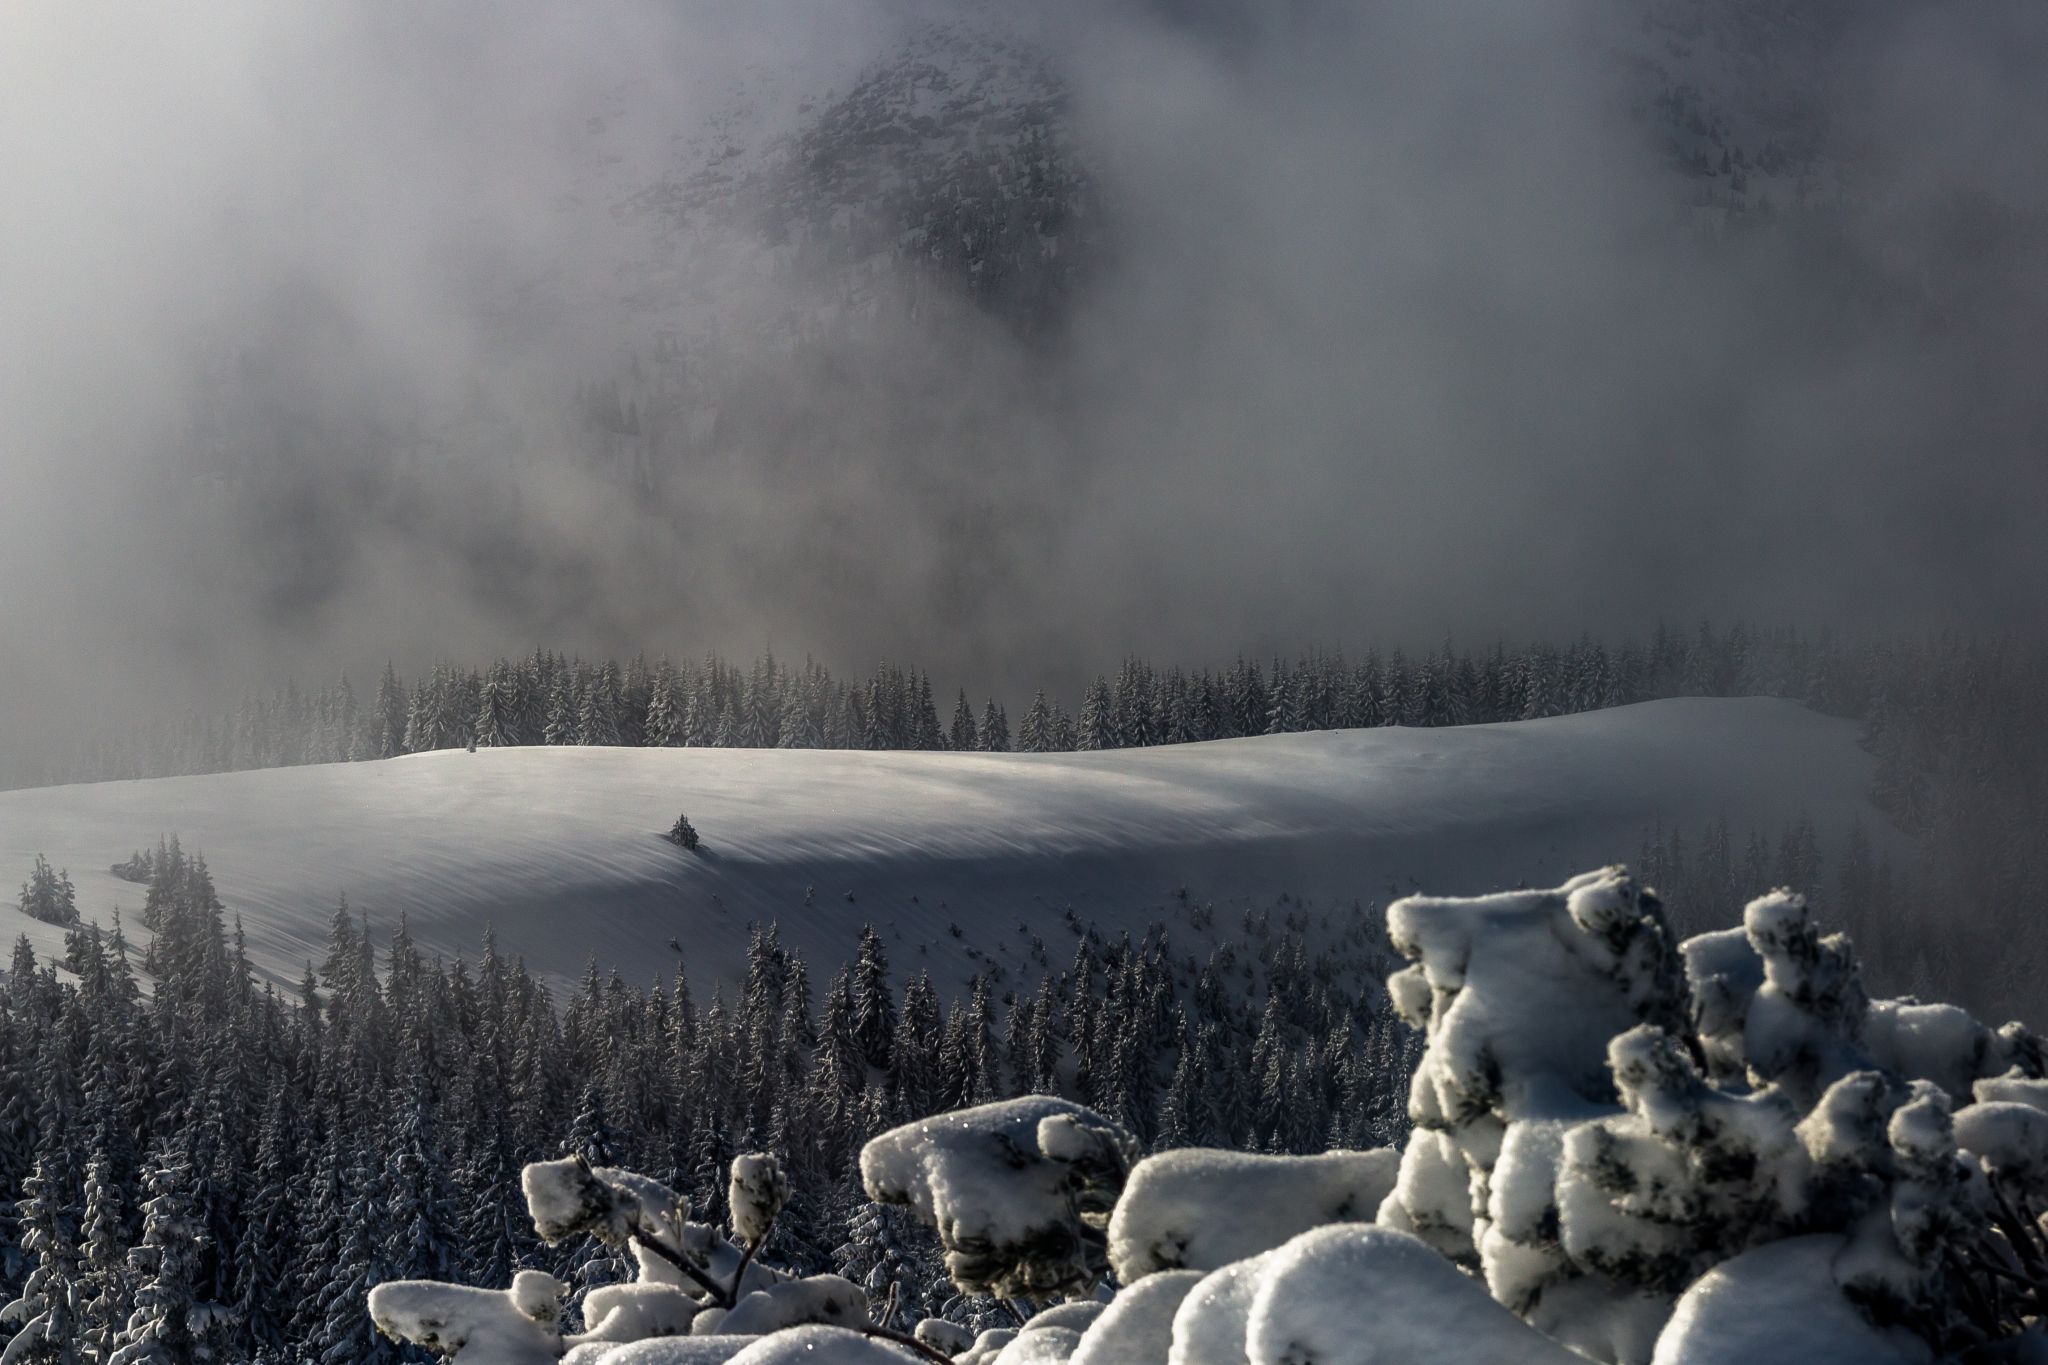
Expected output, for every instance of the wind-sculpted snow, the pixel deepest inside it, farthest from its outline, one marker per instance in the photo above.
(561, 849)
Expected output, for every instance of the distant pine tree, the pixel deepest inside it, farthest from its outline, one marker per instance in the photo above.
(683, 834)
(597, 716)
(665, 719)
(561, 714)
(1034, 736)
(388, 721)
(965, 734)
(995, 729)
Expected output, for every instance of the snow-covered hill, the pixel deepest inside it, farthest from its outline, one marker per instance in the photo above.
(562, 850)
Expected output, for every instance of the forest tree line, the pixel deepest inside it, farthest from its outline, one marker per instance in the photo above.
(550, 698)
(1958, 725)
(249, 1161)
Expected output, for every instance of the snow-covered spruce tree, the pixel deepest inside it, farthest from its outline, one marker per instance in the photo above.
(168, 1321)
(47, 895)
(683, 834)
(48, 1316)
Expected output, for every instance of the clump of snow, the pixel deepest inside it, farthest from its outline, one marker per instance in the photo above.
(757, 1193)
(1014, 1219)
(1652, 1198)
(1780, 1303)
(482, 1326)
(828, 1299)
(1724, 974)
(1042, 1346)
(567, 1199)
(2013, 1087)
(1524, 989)
(988, 1346)
(635, 1312)
(1078, 1314)
(808, 1346)
(663, 1351)
(947, 1338)
(1138, 1324)
(1050, 1336)
(1804, 1027)
(1210, 1324)
(1363, 1295)
(538, 1295)
(1198, 1209)
(2011, 1140)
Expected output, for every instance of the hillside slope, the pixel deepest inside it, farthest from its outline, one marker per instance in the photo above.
(561, 849)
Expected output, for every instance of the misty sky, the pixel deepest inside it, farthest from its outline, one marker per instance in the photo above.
(1400, 327)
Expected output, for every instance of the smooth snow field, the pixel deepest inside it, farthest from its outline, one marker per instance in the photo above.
(562, 850)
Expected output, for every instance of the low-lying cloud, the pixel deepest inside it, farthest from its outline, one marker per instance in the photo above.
(1400, 321)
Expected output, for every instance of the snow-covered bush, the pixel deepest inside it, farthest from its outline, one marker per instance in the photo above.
(1020, 1191)
(1605, 1117)
(1194, 1209)
(692, 1282)
(1625, 1149)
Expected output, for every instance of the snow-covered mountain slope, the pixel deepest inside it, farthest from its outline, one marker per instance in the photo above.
(562, 849)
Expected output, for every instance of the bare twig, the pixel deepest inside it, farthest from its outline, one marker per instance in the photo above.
(907, 1342)
(739, 1276)
(719, 1294)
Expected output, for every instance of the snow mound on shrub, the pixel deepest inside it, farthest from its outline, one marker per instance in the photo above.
(1779, 1305)
(1019, 1191)
(803, 1346)
(634, 1312)
(1196, 1209)
(1363, 1295)
(1209, 1326)
(1046, 1346)
(664, 1351)
(827, 1299)
(1138, 1324)
(485, 1326)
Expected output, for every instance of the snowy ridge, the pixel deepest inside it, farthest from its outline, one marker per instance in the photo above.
(562, 850)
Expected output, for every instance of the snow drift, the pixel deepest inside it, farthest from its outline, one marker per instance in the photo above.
(561, 849)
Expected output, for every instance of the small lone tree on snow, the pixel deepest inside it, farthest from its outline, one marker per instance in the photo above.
(683, 834)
